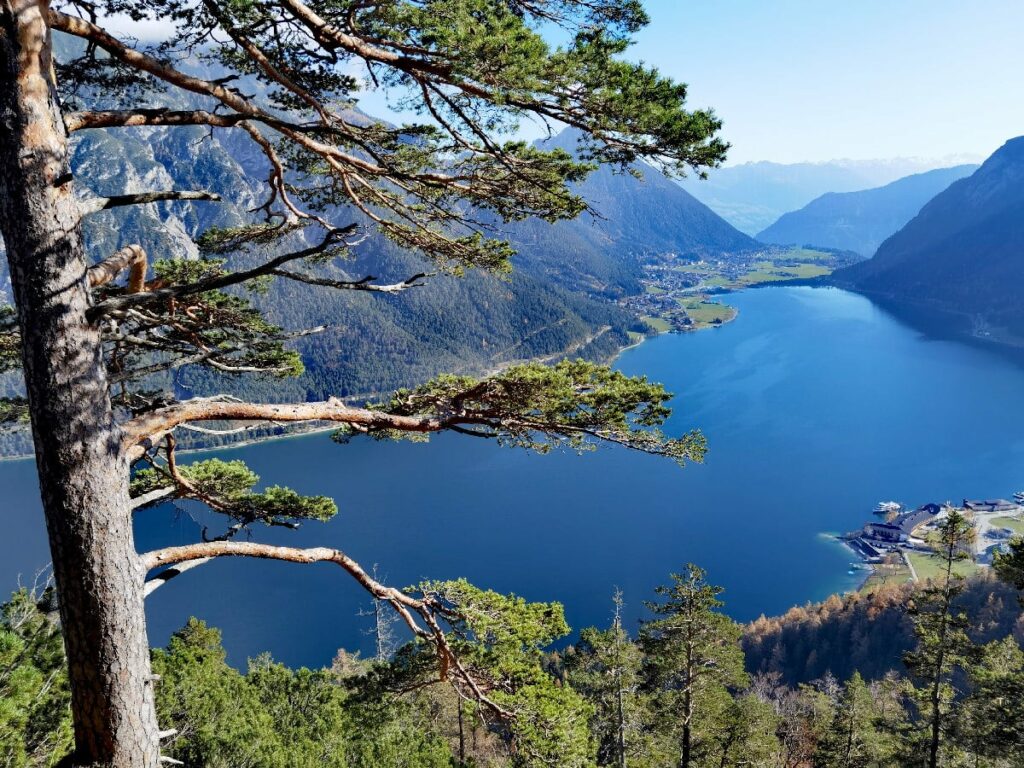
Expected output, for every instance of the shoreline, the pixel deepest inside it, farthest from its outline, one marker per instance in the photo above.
(245, 442)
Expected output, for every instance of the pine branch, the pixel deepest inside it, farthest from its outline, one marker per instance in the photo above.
(407, 606)
(129, 118)
(84, 120)
(218, 282)
(149, 428)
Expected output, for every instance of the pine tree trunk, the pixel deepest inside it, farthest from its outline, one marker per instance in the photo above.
(83, 480)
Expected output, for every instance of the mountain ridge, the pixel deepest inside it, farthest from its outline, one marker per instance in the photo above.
(751, 196)
(962, 255)
(860, 221)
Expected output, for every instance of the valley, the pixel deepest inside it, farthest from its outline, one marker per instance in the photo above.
(685, 295)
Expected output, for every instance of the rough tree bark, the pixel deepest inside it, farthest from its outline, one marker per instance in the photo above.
(82, 476)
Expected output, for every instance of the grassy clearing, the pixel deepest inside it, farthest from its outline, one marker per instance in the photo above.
(657, 323)
(719, 282)
(807, 270)
(707, 312)
(654, 290)
(762, 276)
(932, 567)
(697, 269)
(884, 575)
(1015, 524)
(635, 337)
(807, 254)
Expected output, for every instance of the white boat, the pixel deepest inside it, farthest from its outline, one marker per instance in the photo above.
(885, 507)
(1019, 497)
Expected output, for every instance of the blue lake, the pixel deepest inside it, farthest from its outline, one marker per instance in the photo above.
(816, 405)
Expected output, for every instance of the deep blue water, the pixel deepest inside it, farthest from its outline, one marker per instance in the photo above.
(816, 404)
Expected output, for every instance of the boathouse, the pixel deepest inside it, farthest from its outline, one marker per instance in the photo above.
(908, 521)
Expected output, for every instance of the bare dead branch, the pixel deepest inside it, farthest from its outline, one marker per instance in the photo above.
(157, 581)
(160, 494)
(95, 204)
(365, 284)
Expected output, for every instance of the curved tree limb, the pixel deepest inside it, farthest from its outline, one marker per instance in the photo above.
(149, 428)
(131, 256)
(189, 556)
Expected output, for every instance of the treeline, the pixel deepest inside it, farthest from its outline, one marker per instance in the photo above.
(676, 694)
(869, 632)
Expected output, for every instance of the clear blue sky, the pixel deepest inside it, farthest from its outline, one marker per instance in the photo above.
(802, 80)
(812, 80)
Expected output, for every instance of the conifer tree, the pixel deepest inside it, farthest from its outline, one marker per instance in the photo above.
(604, 666)
(942, 642)
(86, 341)
(991, 720)
(744, 734)
(859, 736)
(1009, 565)
(692, 658)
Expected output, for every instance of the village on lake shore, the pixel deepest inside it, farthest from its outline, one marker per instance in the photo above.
(900, 547)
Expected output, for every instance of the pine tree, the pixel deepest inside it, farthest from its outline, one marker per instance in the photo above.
(604, 667)
(86, 343)
(991, 720)
(942, 641)
(744, 734)
(692, 658)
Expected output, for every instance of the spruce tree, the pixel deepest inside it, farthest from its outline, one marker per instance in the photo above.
(858, 737)
(87, 341)
(991, 720)
(692, 661)
(943, 645)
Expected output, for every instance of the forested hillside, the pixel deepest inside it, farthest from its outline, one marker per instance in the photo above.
(860, 221)
(848, 679)
(868, 633)
(556, 302)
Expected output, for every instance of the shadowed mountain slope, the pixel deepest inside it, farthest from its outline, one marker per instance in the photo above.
(860, 221)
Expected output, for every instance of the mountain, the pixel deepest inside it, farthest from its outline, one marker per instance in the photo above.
(961, 256)
(557, 302)
(635, 219)
(751, 196)
(860, 221)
